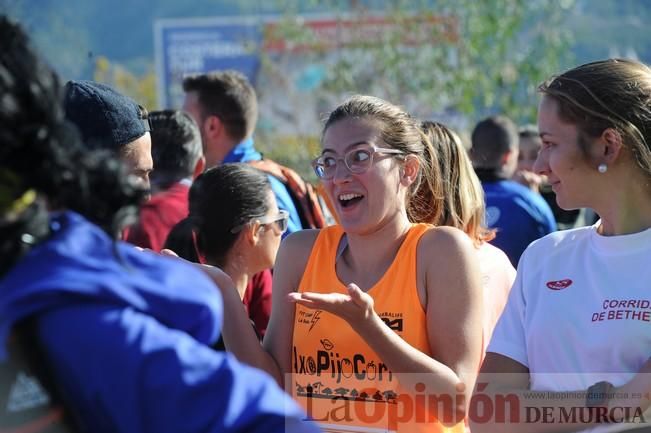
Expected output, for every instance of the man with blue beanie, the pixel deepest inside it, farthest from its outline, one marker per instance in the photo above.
(109, 120)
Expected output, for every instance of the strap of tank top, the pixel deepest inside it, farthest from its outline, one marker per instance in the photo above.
(343, 244)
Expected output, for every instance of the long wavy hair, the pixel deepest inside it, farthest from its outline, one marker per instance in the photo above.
(464, 206)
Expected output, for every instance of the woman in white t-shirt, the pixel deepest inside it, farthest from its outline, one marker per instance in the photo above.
(578, 321)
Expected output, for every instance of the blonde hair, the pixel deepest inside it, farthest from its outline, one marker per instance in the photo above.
(399, 130)
(463, 194)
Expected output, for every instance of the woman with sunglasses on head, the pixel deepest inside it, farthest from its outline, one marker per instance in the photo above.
(384, 310)
(577, 321)
(234, 223)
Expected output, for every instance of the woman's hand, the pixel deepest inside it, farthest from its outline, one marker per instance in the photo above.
(355, 308)
(531, 180)
(633, 394)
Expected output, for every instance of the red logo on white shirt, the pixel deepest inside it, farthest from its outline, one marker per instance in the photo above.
(559, 285)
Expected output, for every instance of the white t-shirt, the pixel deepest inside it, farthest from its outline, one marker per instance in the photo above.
(581, 303)
(497, 276)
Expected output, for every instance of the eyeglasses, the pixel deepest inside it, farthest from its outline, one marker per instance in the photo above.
(280, 222)
(357, 161)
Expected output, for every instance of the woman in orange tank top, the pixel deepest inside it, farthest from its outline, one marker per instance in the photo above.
(383, 331)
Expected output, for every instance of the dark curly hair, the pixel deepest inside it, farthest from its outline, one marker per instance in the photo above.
(41, 155)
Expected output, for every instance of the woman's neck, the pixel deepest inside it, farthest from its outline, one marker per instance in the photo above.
(369, 255)
(238, 274)
(627, 209)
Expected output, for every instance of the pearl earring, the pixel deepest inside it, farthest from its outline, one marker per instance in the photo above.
(602, 168)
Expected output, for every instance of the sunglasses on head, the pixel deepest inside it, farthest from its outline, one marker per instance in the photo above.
(280, 221)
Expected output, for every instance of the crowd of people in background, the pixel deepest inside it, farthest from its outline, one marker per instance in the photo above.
(158, 274)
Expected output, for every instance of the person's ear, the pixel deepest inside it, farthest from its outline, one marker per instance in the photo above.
(507, 157)
(611, 145)
(253, 233)
(213, 126)
(199, 167)
(409, 170)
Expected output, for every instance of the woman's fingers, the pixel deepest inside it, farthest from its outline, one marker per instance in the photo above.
(356, 294)
(322, 298)
(168, 252)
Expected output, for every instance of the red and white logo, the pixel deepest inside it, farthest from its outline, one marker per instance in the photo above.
(560, 284)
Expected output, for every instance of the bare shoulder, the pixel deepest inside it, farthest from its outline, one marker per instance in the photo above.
(300, 241)
(292, 258)
(447, 258)
(444, 243)
(296, 248)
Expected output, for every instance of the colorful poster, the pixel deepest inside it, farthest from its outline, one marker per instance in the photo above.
(189, 46)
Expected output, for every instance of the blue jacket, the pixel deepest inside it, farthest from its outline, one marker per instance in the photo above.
(245, 152)
(126, 334)
(520, 216)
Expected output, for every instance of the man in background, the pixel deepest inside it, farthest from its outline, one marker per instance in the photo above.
(111, 121)
(519, 214)
(225, 107)
(178, 159)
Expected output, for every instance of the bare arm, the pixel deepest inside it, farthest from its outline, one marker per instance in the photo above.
(289, 268)
(238, 334)
(239, 337)
(450, 273)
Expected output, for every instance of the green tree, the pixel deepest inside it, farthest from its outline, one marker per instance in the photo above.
(141, 88)
(461, 56)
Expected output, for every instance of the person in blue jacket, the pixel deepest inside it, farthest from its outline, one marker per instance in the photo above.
(124, 333)
(519, 214)
(225, 107)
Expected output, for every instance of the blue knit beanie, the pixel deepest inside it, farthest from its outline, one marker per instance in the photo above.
(105, 118)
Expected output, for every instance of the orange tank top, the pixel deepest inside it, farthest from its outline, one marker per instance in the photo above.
(337, 377)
